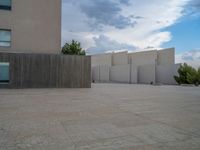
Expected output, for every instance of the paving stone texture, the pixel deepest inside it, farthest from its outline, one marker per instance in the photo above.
(105, 117)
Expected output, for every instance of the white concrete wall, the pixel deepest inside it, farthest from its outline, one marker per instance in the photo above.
(139, 67)
(95, 73)
(166, 56)
(143, 58)
(120, 58)
(120, 73)
(134, 74)
(101, 73)
(104, 74)
(165, 74)
(146, 74)
(102, 59)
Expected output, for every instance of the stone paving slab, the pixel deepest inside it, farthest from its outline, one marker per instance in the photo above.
(105, 117)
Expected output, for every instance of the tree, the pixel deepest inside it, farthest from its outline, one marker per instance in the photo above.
(198, 75)
(188, 75)
(73, 48)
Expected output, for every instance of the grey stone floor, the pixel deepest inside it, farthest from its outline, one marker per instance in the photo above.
(106, 117)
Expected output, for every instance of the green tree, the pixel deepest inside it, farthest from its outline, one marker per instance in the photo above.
(198, 75)
(188, 75)
(73, 48)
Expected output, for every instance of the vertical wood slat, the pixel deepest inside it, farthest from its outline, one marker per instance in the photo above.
(47, 70)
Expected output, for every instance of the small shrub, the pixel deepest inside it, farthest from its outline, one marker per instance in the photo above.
(188, 75)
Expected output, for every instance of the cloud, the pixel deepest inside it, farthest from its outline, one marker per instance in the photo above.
(193, 8)
(125, 2)
(195, 4)
(190, 57)
(104, 44)
(106, 12)
(131, 22)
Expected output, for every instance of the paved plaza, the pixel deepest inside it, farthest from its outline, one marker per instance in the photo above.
(105, 117)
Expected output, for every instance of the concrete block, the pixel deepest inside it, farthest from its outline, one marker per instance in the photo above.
(134, 74)
(120, 58)
(146, 74)
(104, 73)
(95, 73)
(165, 74)
(120, 73)
(143, 58)
(166, 56)
(101, 59)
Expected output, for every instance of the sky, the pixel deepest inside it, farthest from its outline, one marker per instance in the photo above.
(134, 25)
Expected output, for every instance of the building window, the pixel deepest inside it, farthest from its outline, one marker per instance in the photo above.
(5, 38)
(5, 4)
(4, 72)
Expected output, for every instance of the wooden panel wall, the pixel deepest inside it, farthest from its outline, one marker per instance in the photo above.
(47, 70)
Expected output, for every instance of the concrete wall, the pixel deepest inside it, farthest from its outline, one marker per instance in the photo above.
(102, 59)
(95, 73)
(146, 74)
(35, 26)
(104, 73)
(120, 73)
(120, 58)
(134, 74)
(166, 56)
(165, 73)
(139, 67)
(143, 58)
(47, 71)
(101, 73)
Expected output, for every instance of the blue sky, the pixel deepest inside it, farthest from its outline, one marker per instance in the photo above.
(133, 25)
(186, 40)
(185, 34)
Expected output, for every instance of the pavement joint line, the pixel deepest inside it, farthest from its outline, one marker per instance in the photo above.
(116, 137)
(185, 132)
(65, 130)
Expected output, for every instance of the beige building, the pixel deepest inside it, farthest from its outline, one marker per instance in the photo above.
(27, 27)
(147, 67)
(30, 26)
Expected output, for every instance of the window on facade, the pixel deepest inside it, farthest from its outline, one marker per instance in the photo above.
(5, 4)
(4, 72)
(5, 38)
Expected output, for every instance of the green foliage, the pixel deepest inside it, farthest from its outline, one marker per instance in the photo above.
(198, 76)
(188, 75)
(73, 48)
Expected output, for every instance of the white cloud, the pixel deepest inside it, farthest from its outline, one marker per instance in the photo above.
(104, 44)
(157, 15)
(190, 57)
(141, 25)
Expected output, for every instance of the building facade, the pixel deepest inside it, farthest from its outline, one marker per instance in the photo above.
(30, 47)
(147, 67)
(30, 26)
